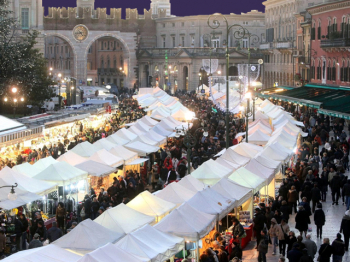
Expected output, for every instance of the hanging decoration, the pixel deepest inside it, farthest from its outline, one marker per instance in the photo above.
(252, 69)
(210, 65)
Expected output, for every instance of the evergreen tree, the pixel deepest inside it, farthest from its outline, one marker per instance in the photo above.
(21, 64)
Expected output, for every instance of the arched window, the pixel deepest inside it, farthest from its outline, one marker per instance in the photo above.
(114, 62)
(102, 62)
(108, 62)
(319, 70)
(329, 71)
(342, 70)
(312, 69)
(319, 30)
(334, 71)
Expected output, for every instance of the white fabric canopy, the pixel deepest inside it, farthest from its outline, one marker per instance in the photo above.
(247, 150)
(175, 193)
(187, 222)
(149, 121)
(85, 149)
(50, 253)
(26, 169)
(257, 168)
(211, 172)
(211, 202)
(71, 158)
(141, 148)
(150, 243)
(117, 139)
(107, 158)
(122, 152)
(126, 134)
(109, 253)
(268, 162)
(192, 183)
(167, 125)
(151, 205)
(94, 168)
(43, 163)
(137, 161)
(233, 191)
(247, 179)
(227, 164)
(60, 172)
(163, 132)
(142, 126)
(26, 183)
(104, 144)
(136, 131)
(9, 125)
(123, 219)
(87, 235)
(234, 157)
(157, 137)
(147, 140)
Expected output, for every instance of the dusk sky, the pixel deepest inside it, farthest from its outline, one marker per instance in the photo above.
(179, 7)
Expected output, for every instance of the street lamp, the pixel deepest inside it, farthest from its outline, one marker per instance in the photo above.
(247, 114)
(200, 79)
(219, 73)
(59, 91)
(15, 100)
(238, 34)
(12, 195)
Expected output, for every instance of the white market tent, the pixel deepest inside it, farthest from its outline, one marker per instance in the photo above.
(117, 139)
(23, 197)
(142, 126)
(234, 157)
(247, 179)
(211, 202)
(175, 193)
(104, 144)
(123, 219)
(43, 163)
(151, 205)
(187, 222)
(211, 172)
(26, 183)
(260, 115)
(8, 125)
(159, 114)
(268, 162)
(141, 148)
(247, 150)
(61, 172)
(109, 253)
(156, 137)
(50, 253)
(192, 183)
(227, 164)
(262, 171)
(87, 236)
(26, 169)
(107, 158)
(136, 131)
(150, 243)
(85, 149)
(122, 152)
(176, 122)
(163, 132)
(147, 140)
(125, 134)
(167, 125)
(71, 158)
(271, 152)
(149, 121)
(180, 115)
(94, 168)
(233, 191)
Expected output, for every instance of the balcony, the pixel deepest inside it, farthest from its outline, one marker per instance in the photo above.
(283, 45)
(266, 46)
(338, 42)
(304, 60)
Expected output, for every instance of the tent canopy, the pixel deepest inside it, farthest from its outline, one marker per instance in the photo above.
(44, 163)
(122, 152)
(104, 157)
(247, 150)
(84, 149)
(257, 168)
(210, 172)
(187, 222)
(175, 193)
(141, 148)
(94, 168)
(247, 179)
(148, 242)
(192, 183)
(234, 157)
(151, 205)
(163, 132)
(126, 134)
(87, 235)
(71, 158)
(123, 219)
(26, 169)
(117, 139)
(26, 183)
(104, 144)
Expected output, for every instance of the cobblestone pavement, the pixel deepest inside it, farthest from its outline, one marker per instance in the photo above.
(334, 215)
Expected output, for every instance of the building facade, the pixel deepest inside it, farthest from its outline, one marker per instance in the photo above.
(330, 63)
(283, 45)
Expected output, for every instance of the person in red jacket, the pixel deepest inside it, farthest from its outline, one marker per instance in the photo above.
(168, 164)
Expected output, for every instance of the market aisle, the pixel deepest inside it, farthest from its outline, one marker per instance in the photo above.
(334, 215)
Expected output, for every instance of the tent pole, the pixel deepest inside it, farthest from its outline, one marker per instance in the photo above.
(197, 245)
(252, 205)
(266, 193)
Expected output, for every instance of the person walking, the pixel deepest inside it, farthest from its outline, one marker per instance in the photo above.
(325, 252)
(282, 235)
(294, 255)
(292, 197)
(345, 229)
(338, 247)
(302, 220)
(273, 231)
(60, 215)
(25, 224)
(346, 193)
(259, 221)
(54, 233)
(285, 210)
(315, 197)
(335, 188)
(319, 219)
(305, 256)
(263, 246)
(310, 246)
(291, 240)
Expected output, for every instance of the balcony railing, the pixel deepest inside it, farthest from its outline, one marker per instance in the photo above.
(338, 42)
(266, 46)
(284, 45)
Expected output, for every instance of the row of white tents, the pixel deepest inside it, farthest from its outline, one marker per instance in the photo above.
(154, 227)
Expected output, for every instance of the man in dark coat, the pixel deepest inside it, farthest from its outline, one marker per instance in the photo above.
(346, 193)
(345, 229)
(259, 221)
(302, 220)
(315, 197)
(54, 232)
(294, 255)
(87, 206)
(335, 187)
(338, 248)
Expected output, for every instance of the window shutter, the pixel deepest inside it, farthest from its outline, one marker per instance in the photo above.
(319, 33)
(313, 33)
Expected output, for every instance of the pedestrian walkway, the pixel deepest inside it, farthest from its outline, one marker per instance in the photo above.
(334, 215)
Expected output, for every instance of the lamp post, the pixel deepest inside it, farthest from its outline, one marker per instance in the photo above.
(247, 114)
(219, 73)
(12, 195)
(59, 91)
(200, 79)
(14, 99)
(238, 34)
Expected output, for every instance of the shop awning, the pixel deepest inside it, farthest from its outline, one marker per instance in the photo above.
(137, 161)
(334, 113)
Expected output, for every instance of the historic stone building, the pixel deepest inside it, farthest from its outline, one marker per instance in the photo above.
(283, 45)
(155, 48)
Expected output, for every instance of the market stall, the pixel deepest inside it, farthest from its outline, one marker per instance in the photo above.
(175, 193)
(211, 172)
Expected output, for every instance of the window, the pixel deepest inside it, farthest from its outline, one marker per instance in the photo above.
(66, 49)
(173, 40)
(319, 30)
(25, 18)
(61, 49)
(103, 81)
(88, 65)
(244, 42)
(312, 71)
(90, 50)
(102, 62)
(183, 24)
(215, 42)
(108, 62)
(313, 32)
(183, 41)
(173, 24)
(115, 62)
(192, 40)
(163, 45)
(329, 71)
(335, 25)
(163, 25)
(245, 22)
(342, 72)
